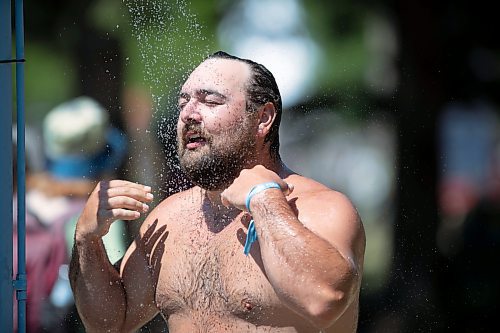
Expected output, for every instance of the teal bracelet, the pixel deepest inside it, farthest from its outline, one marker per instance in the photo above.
(257, 189)
(252, 234)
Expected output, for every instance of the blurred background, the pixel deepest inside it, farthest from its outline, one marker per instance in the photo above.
(395, 103)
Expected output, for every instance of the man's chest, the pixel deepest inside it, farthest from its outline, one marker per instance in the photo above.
(208, 271)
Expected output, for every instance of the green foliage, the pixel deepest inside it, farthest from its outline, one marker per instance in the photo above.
(50, 79)
(338, 27)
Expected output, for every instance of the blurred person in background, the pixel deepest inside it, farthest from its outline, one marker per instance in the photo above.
(80, 147)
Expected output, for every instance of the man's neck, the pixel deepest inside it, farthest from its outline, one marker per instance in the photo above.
(214, 199)
(217, 215)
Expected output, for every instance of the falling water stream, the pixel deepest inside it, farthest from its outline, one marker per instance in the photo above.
(165, 33)
(171, 43)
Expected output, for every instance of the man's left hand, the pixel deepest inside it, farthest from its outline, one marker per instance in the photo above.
(236, 194)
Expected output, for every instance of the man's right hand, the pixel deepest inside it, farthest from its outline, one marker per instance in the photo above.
(110, 201)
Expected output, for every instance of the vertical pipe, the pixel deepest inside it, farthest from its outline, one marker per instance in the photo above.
(21, 283)
(6, 248)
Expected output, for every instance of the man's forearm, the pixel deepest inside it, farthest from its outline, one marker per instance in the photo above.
(99, 294)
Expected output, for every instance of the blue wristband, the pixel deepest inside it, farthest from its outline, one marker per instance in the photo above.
(252, 234)
(257, 189)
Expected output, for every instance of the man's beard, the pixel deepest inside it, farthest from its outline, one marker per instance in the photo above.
(216, 164)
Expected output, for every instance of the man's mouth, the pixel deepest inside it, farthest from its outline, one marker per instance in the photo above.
(194, 140)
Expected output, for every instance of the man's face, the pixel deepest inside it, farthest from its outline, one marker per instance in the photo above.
(216, 138)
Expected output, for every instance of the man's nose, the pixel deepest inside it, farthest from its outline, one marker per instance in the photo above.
(190, 112)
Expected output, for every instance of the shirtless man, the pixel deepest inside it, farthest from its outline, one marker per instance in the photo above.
(303, 272)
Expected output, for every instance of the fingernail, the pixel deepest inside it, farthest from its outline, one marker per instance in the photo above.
(147, 188)
(145, 207)
(149, 195)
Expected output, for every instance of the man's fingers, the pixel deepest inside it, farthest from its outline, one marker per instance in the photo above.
(122, 200)
(224, 200)
(289, 189)
(286, 188)
(127, 203)
(123, 187)
(121, 214)
(124, 183)
(139, 194)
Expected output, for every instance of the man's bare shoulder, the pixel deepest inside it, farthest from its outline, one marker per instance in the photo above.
(330, 214)
(190, 198)
(315, 194)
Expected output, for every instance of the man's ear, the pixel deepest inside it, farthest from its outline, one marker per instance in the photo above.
(267, 114)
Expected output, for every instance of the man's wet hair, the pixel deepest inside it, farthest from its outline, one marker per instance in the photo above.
(261, 88)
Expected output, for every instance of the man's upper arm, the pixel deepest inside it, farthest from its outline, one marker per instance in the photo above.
(332, 216)
(137, 280)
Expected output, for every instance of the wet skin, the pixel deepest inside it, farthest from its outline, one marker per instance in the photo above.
(206, 284)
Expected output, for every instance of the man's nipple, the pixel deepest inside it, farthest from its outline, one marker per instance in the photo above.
(247, 306)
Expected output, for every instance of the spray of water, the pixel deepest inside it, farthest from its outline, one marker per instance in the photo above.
(169, 36)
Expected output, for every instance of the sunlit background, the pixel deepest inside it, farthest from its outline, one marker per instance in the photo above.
(394, 103)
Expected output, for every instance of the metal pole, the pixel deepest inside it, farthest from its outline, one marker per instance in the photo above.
(20, 283)
(6, 246)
